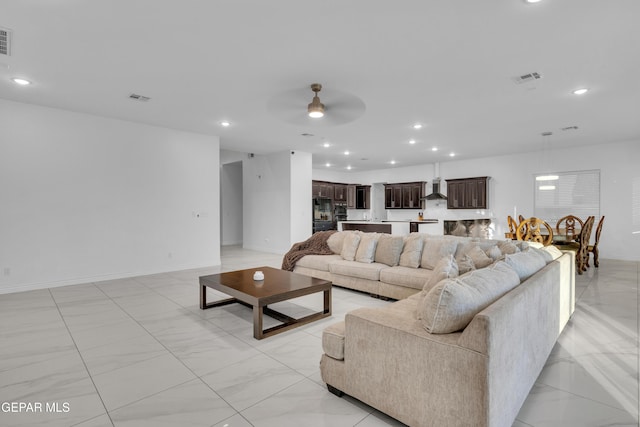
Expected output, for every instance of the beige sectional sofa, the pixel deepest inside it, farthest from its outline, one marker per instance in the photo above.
(395, 266)
(464, 351)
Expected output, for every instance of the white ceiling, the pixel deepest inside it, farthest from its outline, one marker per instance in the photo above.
(447, 64)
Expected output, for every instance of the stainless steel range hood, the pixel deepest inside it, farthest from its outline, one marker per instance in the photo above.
(436, 194)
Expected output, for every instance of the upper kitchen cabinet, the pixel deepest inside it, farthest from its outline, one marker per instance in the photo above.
(411, 194)
(340, 192)
(363, 196)
(393, 196)
(404, 195)
(322, 189)
(467, 193)
(351, 196)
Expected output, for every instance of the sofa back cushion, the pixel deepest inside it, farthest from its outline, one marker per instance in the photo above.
(410, 256)
(367, 247)
(350, 246)
(389, 249)
(436, 248)
(452, 303)
(335, 241)
(526, 263)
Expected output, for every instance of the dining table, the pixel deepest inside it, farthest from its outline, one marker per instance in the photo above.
(561, 236)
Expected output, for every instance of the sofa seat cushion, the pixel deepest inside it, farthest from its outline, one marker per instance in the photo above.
(360, 270)
(333, 341)
(406, 276)
(318, 262)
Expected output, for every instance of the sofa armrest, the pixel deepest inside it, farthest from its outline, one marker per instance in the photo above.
(395, 365)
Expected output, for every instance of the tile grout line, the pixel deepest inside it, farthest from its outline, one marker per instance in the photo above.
(167, 349)
(80, 355)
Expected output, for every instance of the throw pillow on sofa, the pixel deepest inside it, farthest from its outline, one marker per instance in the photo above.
(479, 257)
(410, 256)
(451, 304)
(525, 263)
(494, 253)
(465, 264)
(367, 247)
(350, 246)
(389, 249)
(446, 268)
(508, 247)
(436, 248)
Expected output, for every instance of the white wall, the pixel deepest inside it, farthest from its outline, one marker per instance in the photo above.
(301, 226)
(231, 203)
(511, 185)
(273, 204)
(85, 198)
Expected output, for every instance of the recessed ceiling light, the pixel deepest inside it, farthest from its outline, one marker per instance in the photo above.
(346, 153)
(21, 82)
(412, 141)
(326, 145)
(348, 167)
(452, 154)
(531, 1)
(417, 126)
(225, 123)
(434, 148)
(393, 162)
(328, 165)
(580, 91)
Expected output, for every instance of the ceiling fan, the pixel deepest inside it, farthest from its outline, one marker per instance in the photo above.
(337, 107)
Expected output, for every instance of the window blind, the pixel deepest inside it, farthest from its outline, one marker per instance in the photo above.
(571, 193)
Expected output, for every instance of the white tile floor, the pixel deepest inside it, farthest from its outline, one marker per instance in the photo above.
(139, 352)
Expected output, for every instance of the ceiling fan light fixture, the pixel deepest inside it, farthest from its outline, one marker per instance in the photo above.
(316, 108)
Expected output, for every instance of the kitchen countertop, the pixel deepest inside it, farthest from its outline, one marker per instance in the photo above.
(385, 221)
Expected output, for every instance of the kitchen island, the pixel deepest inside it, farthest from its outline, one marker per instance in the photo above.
(431, 226)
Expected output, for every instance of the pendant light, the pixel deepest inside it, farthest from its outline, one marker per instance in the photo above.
(316, 108)
(546, 161)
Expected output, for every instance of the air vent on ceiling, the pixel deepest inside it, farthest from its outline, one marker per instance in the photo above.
(570, 128)
(526, 78)
(139, 97)
(5, 41)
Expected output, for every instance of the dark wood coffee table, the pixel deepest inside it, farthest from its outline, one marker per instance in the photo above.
(278, 285)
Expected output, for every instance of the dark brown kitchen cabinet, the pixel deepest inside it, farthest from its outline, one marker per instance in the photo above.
(351, 196)
(405, 195)
(322, 189)
(393, 196)
(411, 194)
(467, 193)
(339, 192)
(363, 196)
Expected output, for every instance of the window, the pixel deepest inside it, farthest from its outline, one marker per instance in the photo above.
(567, 193)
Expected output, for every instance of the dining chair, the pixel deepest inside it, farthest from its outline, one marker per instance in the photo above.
(568, 224)
(520, 219)
(530, 230)
(593, 249)
(511, 223)
(582, 257)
